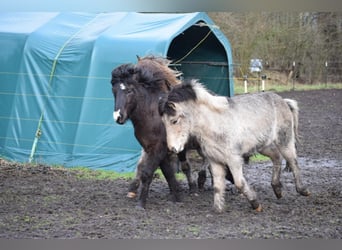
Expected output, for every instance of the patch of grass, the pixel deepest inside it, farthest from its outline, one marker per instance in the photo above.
(98, 174)
(194, 229)
(259, 158)
(179, 176)
(52, 198)
(86, 173)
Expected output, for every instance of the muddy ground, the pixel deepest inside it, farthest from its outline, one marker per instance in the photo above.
(44, 202)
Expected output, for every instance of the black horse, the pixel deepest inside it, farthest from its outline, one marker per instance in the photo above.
(133, 101)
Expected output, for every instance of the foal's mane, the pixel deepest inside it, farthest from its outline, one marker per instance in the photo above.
(155, 71)
(194, 91)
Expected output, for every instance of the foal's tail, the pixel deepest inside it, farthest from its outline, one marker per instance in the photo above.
(293, 105)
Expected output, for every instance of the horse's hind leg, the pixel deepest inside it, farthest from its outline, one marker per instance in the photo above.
(202, 174)
(186, 169)
(133, 187)
(289, 153)
(272, 152)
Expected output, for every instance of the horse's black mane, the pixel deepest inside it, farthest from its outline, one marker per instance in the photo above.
(135, 75)
(151, 80)
(122, 72)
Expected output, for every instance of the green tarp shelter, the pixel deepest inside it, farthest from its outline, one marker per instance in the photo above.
(55, 93)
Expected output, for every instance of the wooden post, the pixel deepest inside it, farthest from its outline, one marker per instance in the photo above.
(326, 73)
(263, 79)
(245, 83)
(294, 74)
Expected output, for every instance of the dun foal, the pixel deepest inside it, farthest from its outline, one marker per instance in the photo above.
(229, 129)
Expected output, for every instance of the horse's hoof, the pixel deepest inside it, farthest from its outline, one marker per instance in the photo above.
(131, 195)
(139, 208)
(177, 199)
(194, 194)
(258, 209)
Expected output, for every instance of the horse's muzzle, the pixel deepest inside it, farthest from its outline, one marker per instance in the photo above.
(118, 117)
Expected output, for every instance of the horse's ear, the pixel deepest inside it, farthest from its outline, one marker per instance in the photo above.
(138, 57)
(132, 70)
(137, 71)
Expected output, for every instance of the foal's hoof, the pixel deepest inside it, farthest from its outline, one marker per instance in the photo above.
(304, 192)
(218, 209)
(277, 190)
(131, 195)
(256, 206)
(278, 194)
(259, 208)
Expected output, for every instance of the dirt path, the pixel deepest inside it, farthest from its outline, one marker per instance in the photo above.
(45, 202)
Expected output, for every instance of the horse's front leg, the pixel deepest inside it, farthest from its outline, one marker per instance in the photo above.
(148, 167)
(151, 161)
(170, 177)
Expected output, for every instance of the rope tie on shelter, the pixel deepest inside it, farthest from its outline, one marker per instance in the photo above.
(194, 48)
(52, 74)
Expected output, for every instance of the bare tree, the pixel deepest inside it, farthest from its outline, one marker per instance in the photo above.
(310, 39)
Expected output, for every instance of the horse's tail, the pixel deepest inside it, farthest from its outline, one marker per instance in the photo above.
(293, 105)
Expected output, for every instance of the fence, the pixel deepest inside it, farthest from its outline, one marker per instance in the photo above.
(291, 76)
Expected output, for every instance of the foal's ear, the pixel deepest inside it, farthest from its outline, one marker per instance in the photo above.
(171, 105)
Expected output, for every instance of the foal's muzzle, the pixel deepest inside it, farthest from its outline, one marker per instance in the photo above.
(176, 150)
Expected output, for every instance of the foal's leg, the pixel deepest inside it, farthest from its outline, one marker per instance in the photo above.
(272, 152)
(235, 166)
(218, 175)
(289, 153)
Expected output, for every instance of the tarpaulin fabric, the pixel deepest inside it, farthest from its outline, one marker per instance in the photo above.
(55, 83)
